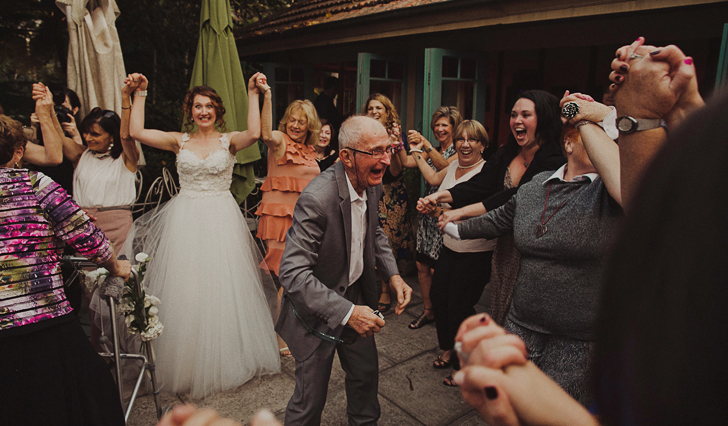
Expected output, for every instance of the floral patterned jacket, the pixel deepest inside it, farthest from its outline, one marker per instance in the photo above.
(36, 218)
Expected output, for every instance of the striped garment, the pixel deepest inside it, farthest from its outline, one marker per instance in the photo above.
(36, 217)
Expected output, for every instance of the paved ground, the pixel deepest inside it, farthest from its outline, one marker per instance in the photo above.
(410, 390)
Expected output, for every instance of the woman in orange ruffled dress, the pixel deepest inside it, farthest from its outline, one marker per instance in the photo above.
(291, 166)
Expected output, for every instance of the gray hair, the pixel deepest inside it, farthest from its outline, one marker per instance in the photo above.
(354, 129)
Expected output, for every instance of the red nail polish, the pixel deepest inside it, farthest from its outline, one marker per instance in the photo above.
(491, 392)
(484, 320)
(689, 61)
(640, 38)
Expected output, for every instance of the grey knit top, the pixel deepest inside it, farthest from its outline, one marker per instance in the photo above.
(560, 276)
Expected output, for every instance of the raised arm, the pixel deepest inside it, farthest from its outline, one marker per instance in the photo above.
(438, 160)
(650, 83)
(168, 141)
(241, 140)
(602, 151)
(273, 139)
(51, 153)
(71, 149)
(131, 152)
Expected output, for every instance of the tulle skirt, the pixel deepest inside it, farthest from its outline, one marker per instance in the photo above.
(217, 304)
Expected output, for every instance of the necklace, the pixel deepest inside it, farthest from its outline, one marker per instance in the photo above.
(470, 166)
(541, 227)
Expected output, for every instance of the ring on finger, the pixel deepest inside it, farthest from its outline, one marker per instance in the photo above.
(635, 56)
(570, 110)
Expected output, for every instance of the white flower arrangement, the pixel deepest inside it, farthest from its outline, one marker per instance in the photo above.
(140, 312)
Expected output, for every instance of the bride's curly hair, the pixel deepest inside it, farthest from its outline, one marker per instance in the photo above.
(216, 103)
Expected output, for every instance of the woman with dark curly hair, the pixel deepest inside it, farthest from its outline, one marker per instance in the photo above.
(218, 330)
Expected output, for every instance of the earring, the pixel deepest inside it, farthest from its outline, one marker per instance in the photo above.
(17, 166)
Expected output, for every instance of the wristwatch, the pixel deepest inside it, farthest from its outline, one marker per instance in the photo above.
(628, 125)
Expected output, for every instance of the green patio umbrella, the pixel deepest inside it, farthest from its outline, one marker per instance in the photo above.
(217, 65)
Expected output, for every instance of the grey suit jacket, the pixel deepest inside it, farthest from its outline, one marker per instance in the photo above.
(314, 270)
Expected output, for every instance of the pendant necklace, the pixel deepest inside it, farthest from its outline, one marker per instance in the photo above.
(541, 227)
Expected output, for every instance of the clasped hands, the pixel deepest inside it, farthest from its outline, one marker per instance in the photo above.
(654, 82)
(366, 323)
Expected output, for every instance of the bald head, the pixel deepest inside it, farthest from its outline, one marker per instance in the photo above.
(356, 128)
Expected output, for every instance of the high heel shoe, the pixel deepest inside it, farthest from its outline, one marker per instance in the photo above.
(421, 321)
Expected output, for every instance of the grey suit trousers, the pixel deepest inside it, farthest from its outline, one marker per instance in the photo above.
(360, 363)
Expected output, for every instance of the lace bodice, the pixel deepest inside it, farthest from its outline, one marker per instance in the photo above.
(208, 177)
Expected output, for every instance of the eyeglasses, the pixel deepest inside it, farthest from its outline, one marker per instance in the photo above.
(466, 140)
(377, 154)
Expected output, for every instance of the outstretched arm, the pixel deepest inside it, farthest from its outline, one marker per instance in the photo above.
(168, 141)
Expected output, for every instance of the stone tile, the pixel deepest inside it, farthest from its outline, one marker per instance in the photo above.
(417, 387)
(470, 419)
(144, 412)
(335, 411)
(398, 343)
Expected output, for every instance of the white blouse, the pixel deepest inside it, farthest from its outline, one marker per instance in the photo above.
(102, 182)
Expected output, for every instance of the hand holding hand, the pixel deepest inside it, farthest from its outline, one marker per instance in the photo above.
(589, 109)
(447, 217)
(44, 104)
(143, 82)
(414, 138)
(426, 206)
(39, 90)
(189, 415)
(364, 322)
(403, 291)
(131, 83)
(483, 342)
(262, 83)
(395, 133)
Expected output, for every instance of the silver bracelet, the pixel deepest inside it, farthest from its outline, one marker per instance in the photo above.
(416, 150)
(581, 123)
(140, 93)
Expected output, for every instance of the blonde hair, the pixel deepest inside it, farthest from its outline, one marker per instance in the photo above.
(451, 113)
(392, 116)
(307, 108)
(474, 130)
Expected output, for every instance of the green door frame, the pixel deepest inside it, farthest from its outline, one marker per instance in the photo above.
(364, 78)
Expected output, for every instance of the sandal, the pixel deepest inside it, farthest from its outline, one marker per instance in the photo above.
(285, 352)
(384, 307)
(441, 362)
(421, 321)
(448, 381)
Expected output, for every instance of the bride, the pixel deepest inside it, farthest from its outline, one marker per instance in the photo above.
(218, 328)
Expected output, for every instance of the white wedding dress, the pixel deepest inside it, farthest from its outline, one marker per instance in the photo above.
(216, 302)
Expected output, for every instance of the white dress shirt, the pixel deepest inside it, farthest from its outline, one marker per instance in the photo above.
(358, 233)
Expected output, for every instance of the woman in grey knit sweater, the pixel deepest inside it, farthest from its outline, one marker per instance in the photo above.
(563, 223)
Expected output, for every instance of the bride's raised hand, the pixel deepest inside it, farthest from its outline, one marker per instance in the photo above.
(262, 83)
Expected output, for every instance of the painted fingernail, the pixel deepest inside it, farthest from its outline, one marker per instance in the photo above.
(484, 319)
(640, 38)
(618, 78)
(655, 52)
(490, 392)
(689, 61)
(458, 377)
(624, 68)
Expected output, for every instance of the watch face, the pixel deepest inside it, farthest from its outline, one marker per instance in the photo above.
(626, 124)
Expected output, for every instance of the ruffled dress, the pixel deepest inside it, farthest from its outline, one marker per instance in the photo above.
(287, 176)
(216, 301)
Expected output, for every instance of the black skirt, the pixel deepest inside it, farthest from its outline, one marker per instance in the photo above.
(51, 375)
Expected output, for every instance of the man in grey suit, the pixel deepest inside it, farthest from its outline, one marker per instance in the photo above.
(328, 273)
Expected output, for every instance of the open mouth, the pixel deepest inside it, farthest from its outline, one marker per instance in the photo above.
(520, 132)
